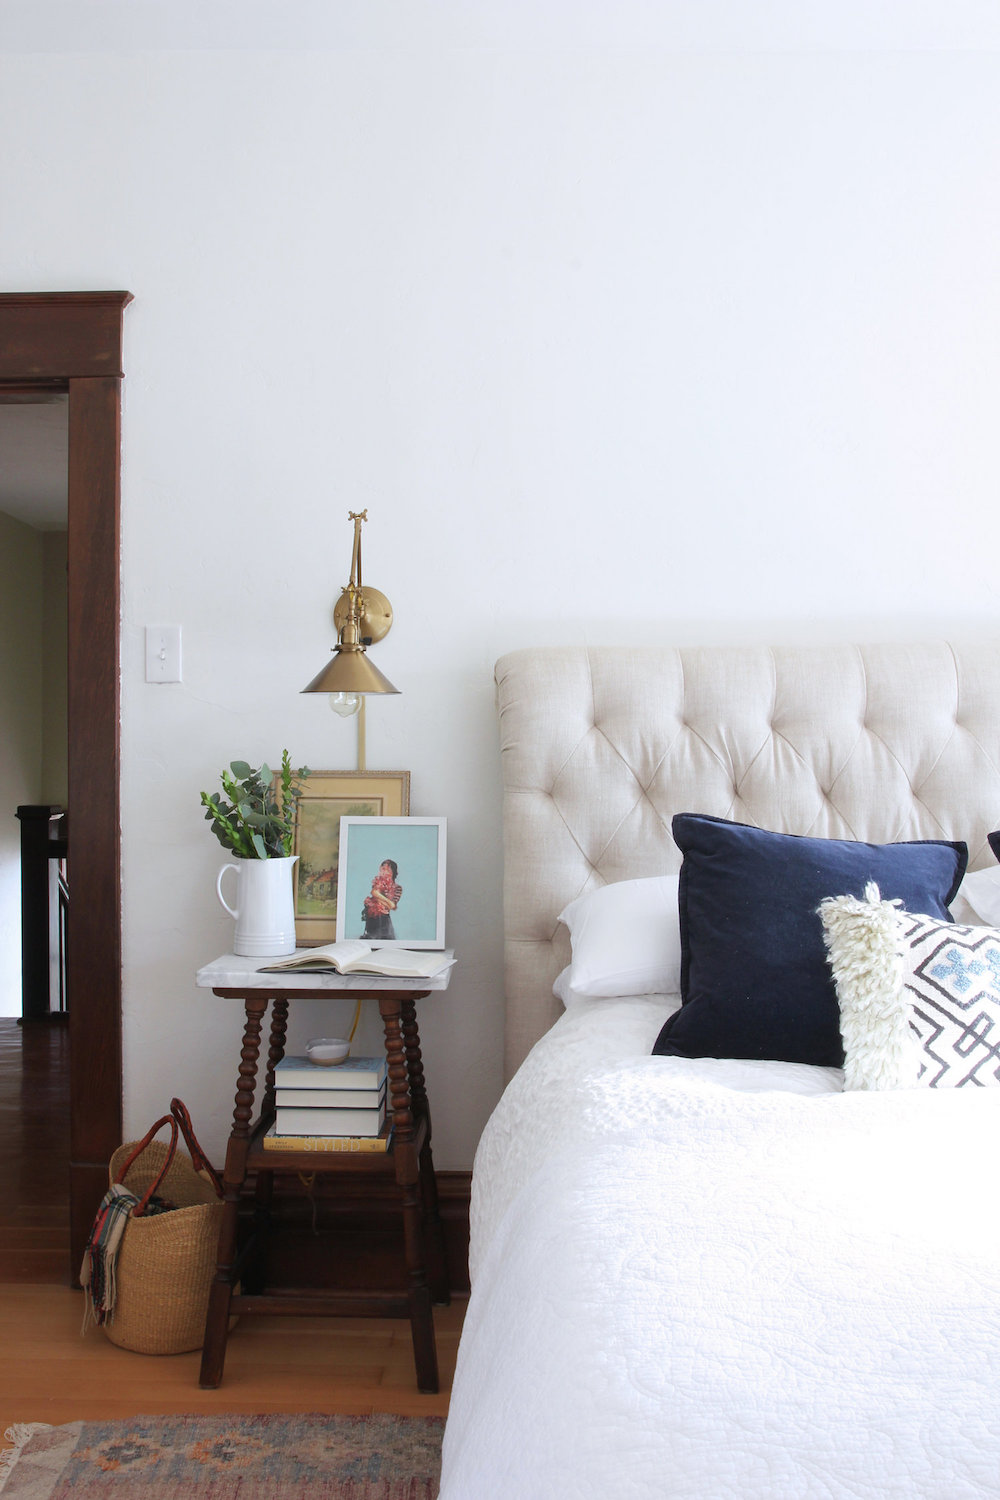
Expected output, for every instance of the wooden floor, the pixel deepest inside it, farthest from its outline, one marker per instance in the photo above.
(34, 1152)
(51, 1373)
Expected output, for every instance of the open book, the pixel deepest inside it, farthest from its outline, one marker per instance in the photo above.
(361, 958)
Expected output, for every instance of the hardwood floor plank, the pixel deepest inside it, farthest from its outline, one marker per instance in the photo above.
(53, 1373)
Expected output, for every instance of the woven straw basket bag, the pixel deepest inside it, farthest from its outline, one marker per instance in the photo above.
(166, 1261)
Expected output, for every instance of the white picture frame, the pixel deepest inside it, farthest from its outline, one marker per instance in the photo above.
(391, 881)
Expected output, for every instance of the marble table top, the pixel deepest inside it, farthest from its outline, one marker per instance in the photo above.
(235, 972)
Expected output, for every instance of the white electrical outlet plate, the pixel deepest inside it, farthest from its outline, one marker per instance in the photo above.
(163, 653)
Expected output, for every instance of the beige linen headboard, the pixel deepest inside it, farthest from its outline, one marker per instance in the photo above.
(601, 746)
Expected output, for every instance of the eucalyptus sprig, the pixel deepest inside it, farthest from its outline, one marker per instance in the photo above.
(258, 819)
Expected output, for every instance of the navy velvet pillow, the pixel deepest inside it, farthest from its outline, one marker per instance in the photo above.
(754, 974)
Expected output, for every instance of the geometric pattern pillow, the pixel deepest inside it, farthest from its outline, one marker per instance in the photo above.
(952, 981)
(919, 998)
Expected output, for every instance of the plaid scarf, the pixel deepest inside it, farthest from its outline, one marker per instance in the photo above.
(97, 1273)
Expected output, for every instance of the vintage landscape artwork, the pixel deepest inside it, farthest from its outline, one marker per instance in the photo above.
(327, 797)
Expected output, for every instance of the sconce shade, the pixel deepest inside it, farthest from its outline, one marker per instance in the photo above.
(350, 671)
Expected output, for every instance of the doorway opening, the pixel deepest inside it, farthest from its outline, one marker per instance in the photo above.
(74, 340)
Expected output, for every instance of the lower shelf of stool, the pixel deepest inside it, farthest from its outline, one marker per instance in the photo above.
(346, 1252)
(303, 1302)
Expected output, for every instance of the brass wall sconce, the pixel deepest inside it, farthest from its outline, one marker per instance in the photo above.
(362, 616)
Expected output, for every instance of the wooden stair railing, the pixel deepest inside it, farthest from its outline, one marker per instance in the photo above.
(44, 837)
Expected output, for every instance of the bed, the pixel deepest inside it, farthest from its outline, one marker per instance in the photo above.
(732, 1276)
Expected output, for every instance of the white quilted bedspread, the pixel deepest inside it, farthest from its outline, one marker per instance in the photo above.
(728, 1281)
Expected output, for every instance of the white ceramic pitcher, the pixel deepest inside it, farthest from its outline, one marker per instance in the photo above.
(265, 908)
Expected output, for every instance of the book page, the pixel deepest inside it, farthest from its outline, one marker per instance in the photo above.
(352, 957)
(332, 956)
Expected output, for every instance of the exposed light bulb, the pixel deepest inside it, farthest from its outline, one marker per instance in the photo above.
(345, 704)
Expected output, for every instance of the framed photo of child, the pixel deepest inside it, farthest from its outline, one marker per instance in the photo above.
(391, 881)
(327, 797)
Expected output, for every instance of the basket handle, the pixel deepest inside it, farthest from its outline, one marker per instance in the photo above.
(178, 1117)
(141, 1206)
(201, 1163)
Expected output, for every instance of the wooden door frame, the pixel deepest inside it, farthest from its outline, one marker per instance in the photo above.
(75, 339)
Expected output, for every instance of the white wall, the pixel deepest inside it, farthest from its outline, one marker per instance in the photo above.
(671, 323)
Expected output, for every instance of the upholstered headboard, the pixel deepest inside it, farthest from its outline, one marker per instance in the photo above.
(600, 747)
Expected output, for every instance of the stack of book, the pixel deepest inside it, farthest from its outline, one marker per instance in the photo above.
(339, 1108)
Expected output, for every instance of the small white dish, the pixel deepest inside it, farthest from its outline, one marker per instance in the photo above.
(327, 1051)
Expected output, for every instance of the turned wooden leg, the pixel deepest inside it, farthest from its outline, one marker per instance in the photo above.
(275, 1051)
(220, 1298)
(437, 1254)
(408, 1182)
(255, 1275)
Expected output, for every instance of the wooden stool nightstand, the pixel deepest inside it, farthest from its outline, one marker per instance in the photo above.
(408, 1159)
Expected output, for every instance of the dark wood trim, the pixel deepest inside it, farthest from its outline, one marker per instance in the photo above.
(89, 339)
(454, 1191)
(94, 933)
(77, 337)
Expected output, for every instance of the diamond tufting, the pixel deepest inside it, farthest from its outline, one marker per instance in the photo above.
(601, 746)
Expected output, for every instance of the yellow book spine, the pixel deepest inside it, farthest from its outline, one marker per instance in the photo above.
(323, 1143)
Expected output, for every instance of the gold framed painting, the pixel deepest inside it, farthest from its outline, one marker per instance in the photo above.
(328, 796)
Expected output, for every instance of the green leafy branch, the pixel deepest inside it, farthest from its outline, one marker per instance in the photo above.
(291, 791)
(254, 815)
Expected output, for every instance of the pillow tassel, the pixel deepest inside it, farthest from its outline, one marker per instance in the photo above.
(864, 943)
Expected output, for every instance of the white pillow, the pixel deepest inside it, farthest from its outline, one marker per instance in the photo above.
(981, 891)
(626, 940)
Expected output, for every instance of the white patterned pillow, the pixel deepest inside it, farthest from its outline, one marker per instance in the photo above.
(919, 998)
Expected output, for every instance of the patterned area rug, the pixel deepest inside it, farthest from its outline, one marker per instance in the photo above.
(310, 1457)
